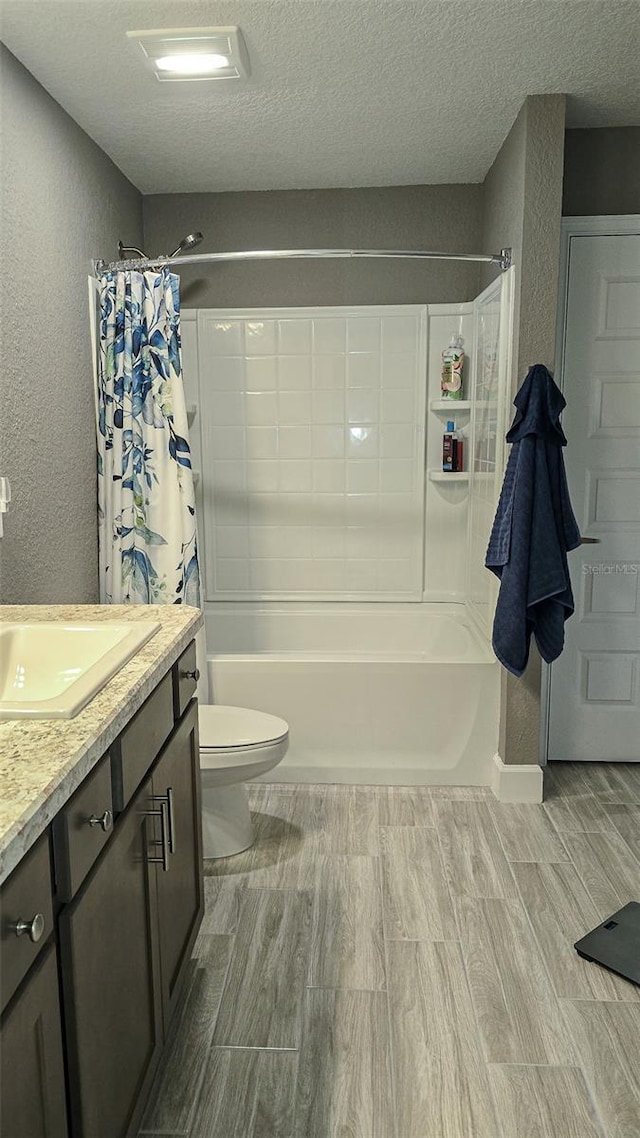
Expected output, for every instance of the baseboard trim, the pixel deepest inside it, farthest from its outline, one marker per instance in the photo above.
(516, 782)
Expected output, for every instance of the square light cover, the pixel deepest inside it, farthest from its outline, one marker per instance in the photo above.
(197, 54)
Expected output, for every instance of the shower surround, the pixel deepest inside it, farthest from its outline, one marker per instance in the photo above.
(341, 586)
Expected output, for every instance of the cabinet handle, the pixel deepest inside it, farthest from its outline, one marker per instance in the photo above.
(105, 821)
(33, 928)
(194, 675)
(162, 815)
(167, 799)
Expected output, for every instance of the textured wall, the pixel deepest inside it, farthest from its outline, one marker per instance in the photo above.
(601, 171)
(403, 217)
(63, 203)
(522, 208)
(503, 198)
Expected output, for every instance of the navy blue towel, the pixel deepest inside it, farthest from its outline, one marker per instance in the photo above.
(533, 530)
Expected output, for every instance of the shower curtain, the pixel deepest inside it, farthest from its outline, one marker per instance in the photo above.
(146, 503)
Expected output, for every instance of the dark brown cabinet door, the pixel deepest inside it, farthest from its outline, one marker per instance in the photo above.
(32, 1087)
(110, 964)
(176, 789)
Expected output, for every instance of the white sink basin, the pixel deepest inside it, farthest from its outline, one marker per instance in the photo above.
(51, 670)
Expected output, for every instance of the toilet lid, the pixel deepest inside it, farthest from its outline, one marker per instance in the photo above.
(222, 728)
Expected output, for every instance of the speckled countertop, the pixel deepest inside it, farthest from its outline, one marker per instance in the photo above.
(42, 761)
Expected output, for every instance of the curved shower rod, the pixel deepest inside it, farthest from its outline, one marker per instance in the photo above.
(503, 258)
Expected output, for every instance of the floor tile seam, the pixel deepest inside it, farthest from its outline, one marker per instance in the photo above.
(569, 801)
(380, 893)
(424, 940)
(296, 1083)
(598, 1114)
(560, 831)
(406, 826)
(210, 1046)
(630, 1073)
(609, 1003)
(298, 1018)
(254, 1047)
(632, 1001)
(542, 958)
(634, 800)
(542, 1066)
(392, 1064)
(504, 851)
(473, 1010)
(498, 971)
(342, 988)
(576, 865)
(465, 966)
(275, 889)
(619, 833)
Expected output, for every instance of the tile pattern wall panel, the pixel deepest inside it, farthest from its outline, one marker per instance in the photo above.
(312, 439)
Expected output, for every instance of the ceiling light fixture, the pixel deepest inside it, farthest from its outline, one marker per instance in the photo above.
(192, 64)
(194, 54)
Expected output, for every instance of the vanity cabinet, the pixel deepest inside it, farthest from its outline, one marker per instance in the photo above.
(109, 954)
(86, 1011)
(31, 1058)
(176, 789)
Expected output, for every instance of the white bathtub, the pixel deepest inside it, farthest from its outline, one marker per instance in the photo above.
(373, 693)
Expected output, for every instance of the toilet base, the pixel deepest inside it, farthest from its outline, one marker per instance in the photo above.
(227, 828)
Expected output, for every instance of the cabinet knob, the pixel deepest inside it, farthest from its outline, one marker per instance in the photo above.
(105, 821)
(34, 928)
(194, 675)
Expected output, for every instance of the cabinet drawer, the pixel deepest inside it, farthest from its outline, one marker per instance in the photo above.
(82, 829)
(141, 741)
(184, 680)
(24, 896)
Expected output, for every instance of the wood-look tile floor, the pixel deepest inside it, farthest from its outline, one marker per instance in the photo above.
(393, 962)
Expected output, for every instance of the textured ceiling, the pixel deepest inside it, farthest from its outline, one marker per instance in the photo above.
(342, 92)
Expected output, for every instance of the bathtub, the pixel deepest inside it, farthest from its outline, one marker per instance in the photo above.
(403, 694)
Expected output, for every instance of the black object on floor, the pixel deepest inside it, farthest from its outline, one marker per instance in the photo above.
(616, 943)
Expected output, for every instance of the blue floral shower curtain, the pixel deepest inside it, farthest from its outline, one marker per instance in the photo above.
(146, 504)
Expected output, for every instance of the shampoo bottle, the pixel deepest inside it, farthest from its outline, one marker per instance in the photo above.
(452, 368)
(447, 447)
(452, 449)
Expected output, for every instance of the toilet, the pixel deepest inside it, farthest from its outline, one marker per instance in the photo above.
(236, 745)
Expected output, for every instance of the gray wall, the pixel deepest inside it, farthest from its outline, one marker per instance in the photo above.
(63, 204)
(400, 217)
(522, 208)
(602, 171)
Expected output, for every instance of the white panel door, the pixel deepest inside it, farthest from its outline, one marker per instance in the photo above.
(595, 685)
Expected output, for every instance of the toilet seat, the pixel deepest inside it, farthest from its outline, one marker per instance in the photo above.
(238, 729)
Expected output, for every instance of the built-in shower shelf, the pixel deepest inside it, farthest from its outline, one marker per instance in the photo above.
(448, 475)
(192, 411)
(450, 405)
